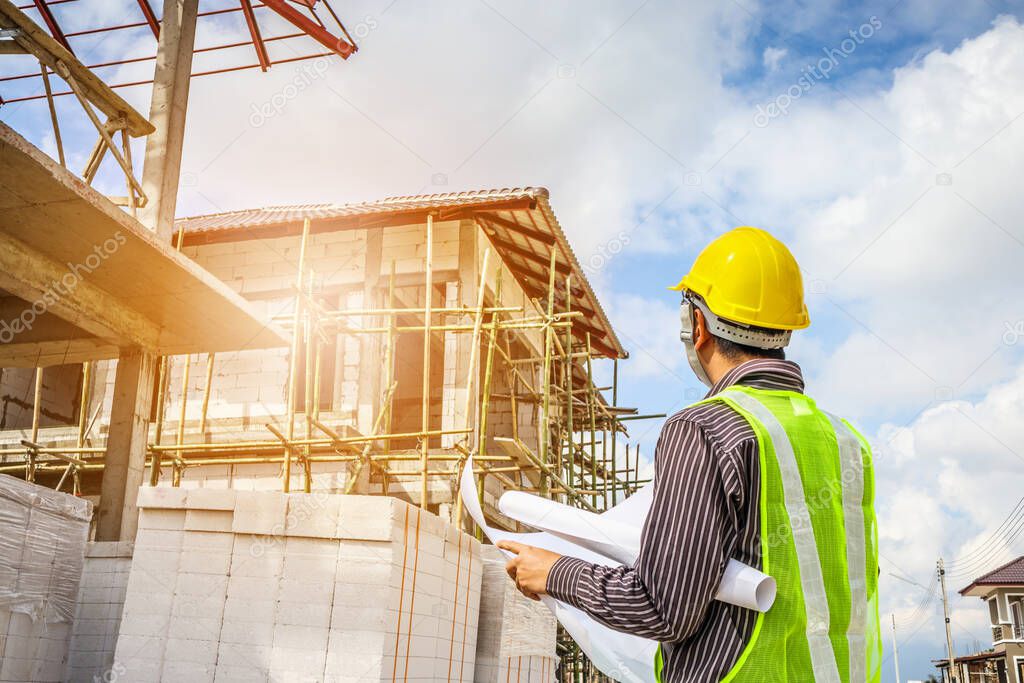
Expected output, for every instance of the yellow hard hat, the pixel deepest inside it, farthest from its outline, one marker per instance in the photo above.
(749, 277)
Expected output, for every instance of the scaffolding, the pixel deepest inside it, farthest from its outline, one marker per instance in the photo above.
(576, 460)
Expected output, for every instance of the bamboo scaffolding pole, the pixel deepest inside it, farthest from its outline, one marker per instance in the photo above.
(591, 399)
(389, 367)
(286, 470)
(485, 395)
(207, 384)
(545, 423)
(311, 389)
(37, 405)
(524, 324)
(425, 394)
(182, 408)
(161, 406)
(83, 402)
(364, 457)
(545, 469)
(391, 310)
(615, 431)
(472, 371)
(314, 441)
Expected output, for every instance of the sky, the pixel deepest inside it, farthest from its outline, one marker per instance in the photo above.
(880, 140)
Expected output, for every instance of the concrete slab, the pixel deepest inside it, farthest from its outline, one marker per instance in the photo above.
(118, 285)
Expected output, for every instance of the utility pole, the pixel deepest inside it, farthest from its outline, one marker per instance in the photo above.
(941, 569)
(895, 650)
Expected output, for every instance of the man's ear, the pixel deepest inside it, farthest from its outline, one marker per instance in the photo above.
(701, 336)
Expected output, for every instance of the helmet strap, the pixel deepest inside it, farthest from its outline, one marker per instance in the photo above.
(686, 336)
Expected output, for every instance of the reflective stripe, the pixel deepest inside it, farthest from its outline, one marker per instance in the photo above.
(852, 475)
(823, 658)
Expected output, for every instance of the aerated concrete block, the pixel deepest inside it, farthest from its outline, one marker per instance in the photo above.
(303, 587)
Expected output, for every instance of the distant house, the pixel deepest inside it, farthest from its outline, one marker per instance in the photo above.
(1003, 590)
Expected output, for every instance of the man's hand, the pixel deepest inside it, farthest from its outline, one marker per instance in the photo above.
(529, 568)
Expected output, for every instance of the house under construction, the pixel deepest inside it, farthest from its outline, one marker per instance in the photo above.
(480, 288)
(202, 389)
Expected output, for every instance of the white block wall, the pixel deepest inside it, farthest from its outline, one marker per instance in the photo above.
(101, 597)
(516, 640)
(259, 586)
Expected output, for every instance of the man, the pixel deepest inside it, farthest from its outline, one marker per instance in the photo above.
(755, 472)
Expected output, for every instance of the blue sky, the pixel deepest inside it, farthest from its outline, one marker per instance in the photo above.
(894, 181)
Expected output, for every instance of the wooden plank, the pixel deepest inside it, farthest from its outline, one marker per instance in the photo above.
(526, 231)
(509, 448)
(560, 268)
(36, 41)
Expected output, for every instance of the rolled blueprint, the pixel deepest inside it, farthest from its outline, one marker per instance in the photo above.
(621, 656)
(618, 538)
(611, 538)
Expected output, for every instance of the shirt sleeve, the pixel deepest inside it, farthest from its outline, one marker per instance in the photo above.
(664, 596)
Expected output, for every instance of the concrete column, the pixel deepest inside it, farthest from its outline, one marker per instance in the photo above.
(162, 168)
(125, 459)
(117, 517)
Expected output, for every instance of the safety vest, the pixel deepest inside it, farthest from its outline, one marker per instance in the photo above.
(819, 541)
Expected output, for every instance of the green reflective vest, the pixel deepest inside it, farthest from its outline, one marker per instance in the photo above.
(819, 541)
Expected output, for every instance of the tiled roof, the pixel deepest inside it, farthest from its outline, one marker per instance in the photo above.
(275, 215)
(518, 221)
(1010, 573)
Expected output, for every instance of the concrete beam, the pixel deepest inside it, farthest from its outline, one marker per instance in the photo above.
(56, 289)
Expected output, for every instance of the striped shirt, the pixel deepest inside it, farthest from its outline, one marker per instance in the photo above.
(705, 511)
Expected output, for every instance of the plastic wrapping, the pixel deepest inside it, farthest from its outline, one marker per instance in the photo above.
(519, 626)
(43, 535)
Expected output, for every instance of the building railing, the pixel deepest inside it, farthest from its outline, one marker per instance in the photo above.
(1002, 632)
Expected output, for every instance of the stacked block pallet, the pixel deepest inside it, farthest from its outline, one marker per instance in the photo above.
(42, 547)
(258, 586)
(516, 640)
(101, 597)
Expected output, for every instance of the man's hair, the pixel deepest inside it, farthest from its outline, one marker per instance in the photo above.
(735, 351)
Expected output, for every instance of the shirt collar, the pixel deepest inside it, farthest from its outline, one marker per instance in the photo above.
(762, 373)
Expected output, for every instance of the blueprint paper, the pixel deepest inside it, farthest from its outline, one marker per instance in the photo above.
(616, 535)
(621, 656)
(611, 539)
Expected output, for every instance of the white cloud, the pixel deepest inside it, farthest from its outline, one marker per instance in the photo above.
(946, 482)
(772, 56)
(897, 204)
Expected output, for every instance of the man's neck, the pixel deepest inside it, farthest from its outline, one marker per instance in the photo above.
(720, 366)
